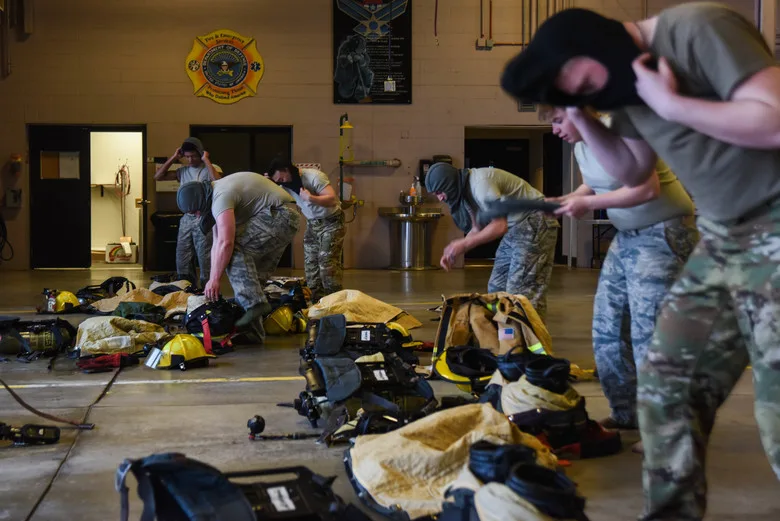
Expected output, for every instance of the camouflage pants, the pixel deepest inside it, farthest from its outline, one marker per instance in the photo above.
(192, 244)
(524, 260)
(259, 245)
(639, 269)
(721, 314)
(323, 244)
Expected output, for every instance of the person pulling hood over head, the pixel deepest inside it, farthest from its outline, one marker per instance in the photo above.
(196, 197)
(445, 178)
(280, 164)
(530, 76)
(193, 142)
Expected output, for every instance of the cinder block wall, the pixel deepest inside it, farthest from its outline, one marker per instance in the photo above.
(113, 62)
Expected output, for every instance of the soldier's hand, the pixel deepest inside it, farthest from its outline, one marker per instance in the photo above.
(305, 195)
(178, 154)
(446, 262)
(205, 156)
(211, 291)
(576, 206)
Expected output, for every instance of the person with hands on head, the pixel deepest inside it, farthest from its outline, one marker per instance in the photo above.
(191, 243)
(323, 242)
(656, 234)
(698, 85)
(253, 222)
(524, 259)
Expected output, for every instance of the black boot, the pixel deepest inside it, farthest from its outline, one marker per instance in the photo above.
(550, 491)
(549, 373)
(489, 462)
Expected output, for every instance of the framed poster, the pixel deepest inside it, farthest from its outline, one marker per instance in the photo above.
(372, 52)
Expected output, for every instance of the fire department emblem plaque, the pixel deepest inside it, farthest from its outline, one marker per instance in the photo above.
(224, 66)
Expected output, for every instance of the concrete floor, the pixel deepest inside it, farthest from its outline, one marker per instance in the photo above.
(148, 411)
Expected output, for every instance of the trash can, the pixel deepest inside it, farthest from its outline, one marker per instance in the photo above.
(411, 237)
(166, 233)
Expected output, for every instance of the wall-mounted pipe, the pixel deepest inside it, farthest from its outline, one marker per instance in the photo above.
(530, 19)
(374, 162)
(481, 23)
(490, 21)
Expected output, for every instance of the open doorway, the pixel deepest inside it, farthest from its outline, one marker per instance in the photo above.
(116, 182)
(532, 153)
(75, 206)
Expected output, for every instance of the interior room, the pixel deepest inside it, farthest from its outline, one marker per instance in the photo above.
(116, 180)
(317, 260)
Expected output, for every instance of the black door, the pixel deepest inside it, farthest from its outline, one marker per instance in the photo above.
(512, 155)
(237, 149)
(60, 210)
(552, 159)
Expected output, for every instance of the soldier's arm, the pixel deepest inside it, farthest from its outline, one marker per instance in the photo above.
(625, 196)
(497, 228)
(224, 240)
(214, 170)
(751, 118)
(630, 161)
(326, 197)
(745, 78)
(164, 173)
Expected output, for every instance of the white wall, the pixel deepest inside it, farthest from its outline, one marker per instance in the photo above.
(109, 151)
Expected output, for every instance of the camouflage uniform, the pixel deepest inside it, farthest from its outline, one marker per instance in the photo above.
(639, 268)
(323, 244)
(524, 260)
(721, 314)
(259, 245)
(192, 243)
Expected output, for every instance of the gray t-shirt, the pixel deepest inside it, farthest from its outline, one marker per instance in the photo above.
(247, 194)
(672, 202)
(712, 50)
(315, 182)
(489, 184)
(190, 174)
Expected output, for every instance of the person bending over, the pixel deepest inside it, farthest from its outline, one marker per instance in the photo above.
(253, 222)
(656, 234)
(524, 259)
(698, 85)
(323, 242)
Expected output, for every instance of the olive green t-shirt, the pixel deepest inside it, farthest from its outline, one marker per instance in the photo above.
(711, 50)
(247, 194)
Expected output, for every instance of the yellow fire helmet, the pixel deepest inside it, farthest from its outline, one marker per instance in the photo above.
(280, 321)
(182, 351)
(64, 301)
(405, 337)
(442, 369)
(299, 323)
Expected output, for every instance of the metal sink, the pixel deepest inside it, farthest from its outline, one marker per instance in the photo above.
(411, 235)
(410, 213)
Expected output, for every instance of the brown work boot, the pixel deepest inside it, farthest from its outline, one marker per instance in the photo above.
(612, 424)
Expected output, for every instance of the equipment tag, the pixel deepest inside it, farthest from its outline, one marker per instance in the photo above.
(381, 375)
(153, 360)
(506, 333)
(281, 499)
(365, 335)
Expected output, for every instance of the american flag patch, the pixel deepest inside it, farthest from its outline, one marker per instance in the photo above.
(506, 333)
